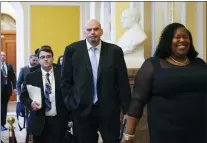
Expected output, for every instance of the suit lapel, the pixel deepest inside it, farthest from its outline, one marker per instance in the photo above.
(102, 58)
(103, 53)
(27, 69)
(39, 81)
(87, 58)
(57, 82)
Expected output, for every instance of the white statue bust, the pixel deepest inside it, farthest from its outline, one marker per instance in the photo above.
(134, 36)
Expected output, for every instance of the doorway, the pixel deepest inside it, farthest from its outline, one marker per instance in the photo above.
(8, 42)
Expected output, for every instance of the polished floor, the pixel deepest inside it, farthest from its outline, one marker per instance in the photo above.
(20, 135)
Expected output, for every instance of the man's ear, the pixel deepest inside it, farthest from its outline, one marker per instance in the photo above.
(101, 32)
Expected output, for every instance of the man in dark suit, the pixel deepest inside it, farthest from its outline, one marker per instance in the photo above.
(47, 121)
(25, 71)
(95, 86)
(8, 81)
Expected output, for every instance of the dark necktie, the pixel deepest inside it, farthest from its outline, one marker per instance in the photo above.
(47, 93)
(4, 73)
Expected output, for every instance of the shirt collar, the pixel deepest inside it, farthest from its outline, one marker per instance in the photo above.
(89, 45)
(44, 72)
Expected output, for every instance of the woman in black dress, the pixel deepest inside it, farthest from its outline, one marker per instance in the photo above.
(173, 84)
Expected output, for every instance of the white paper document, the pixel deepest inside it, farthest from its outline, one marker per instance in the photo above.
(35, 94)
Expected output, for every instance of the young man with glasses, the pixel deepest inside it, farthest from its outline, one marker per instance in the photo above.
(47, 121)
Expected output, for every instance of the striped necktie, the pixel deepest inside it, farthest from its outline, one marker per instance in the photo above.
(47, 93)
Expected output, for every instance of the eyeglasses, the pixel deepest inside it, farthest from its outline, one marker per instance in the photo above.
(48, 57)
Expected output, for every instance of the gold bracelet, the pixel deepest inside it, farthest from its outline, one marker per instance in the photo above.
(128, 137)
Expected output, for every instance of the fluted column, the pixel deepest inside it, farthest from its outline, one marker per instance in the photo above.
(105, 20)
(95, 10)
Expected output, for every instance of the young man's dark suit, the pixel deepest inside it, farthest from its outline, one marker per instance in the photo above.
(6, 91)
(32, 69)
(36, 120)
(112, 88)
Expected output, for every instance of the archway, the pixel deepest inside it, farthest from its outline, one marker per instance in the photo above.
(8, 40)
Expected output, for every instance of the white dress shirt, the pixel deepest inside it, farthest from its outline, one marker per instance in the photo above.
(97, 51)
(5, 67)
(52, 111)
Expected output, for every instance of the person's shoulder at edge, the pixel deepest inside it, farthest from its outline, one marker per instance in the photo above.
(199, 61)
(30, 75)
(56, 65)
(111, 45)
(152, 58)
(76, 43)
(32, 69)
(27, 66)
(35, 71)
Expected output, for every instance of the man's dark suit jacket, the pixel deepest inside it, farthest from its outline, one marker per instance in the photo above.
(36, 119)
(11, 79)
(112, 82)
(32, 69)
(22, 78)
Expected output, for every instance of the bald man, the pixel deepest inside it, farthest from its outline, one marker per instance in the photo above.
(95, 86)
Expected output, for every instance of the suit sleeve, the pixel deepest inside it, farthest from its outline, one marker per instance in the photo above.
(13, 78)
(122, 81)
(20, 81)
(67, 77)
(24, 97)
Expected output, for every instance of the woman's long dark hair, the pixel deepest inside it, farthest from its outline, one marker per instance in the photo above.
(164, 47)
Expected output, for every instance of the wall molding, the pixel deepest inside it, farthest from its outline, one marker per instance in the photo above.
(153, 27)
(7, 8)
(105, 20)
(200, 29)
(170, 11)
(141, 14)
(21, 51)
(134, 4)
(113, 22)
(85, 10)
(80, 4)
(166, 14)
(183, 13)
(23, 27)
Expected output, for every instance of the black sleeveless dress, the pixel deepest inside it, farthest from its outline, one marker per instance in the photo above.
(176, 99)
